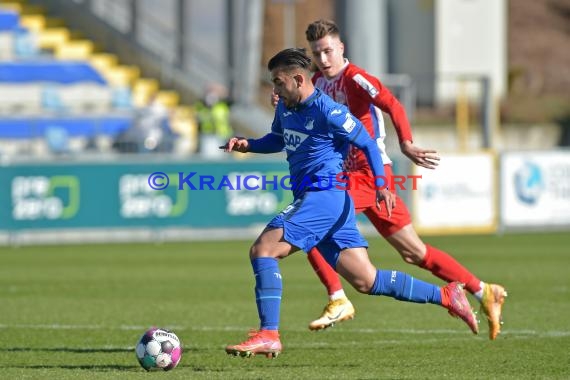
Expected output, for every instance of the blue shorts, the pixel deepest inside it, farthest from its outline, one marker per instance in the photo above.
(324, 219)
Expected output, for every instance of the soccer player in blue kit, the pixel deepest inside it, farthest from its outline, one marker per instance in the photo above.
(315, 133)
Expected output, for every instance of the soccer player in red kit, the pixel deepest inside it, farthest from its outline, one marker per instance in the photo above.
(366, 97)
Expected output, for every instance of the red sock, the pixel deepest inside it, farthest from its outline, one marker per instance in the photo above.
(445, 297)
(272, 334)
(448, 269)
(326, 273)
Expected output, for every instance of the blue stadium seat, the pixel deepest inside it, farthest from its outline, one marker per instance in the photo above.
(9, 20)
(64, 72)
(51, 100)
(24, 45)
(57, 139)
(26, 128)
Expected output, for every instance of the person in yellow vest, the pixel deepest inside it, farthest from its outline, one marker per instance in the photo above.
(213, 114)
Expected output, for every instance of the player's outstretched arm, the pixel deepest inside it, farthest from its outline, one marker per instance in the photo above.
(370, 149)
(236, 144)
(427, 158)
(383, 194)
(270, 143)
(347, 126)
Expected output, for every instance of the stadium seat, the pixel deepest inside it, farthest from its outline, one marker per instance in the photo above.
(34, 23)
(87, 98)
(121, 75)
(9, 19)
(24, 44)
(74, 50)
(169, 99)
(122, 98)
(53, 37)
(76, 126)
(103, 61)
(6, 46)
(20, 99)
(51, 100)
(15, 6)
(143, 90)
(184, 124)
(57, 139)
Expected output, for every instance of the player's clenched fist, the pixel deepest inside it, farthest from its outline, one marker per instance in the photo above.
(236, 144)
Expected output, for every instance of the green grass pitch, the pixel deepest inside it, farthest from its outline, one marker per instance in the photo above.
(76, 312)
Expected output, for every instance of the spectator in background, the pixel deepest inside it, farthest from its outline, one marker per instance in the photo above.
(213, 114)
(150, 131)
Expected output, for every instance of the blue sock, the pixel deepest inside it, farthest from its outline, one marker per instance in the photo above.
(403, 287)
(268, 289)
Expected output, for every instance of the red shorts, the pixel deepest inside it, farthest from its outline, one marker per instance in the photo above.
(363, 195)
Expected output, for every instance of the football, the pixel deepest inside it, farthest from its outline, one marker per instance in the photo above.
(158, 349)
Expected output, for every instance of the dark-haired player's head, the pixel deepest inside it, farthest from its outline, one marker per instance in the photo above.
(290, 59)
(291, 76)
(326, 47)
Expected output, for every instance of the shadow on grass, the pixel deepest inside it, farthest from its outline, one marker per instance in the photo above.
(90, 367)
(65, 349)
(98, 367)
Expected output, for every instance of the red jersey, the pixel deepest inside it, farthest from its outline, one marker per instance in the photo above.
(366, 97)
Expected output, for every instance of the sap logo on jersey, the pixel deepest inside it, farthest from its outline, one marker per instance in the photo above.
(293, 139)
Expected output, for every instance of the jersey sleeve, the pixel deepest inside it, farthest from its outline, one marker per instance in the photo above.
(272, 142)
(371, 90)
(345, 126)
(276, 127)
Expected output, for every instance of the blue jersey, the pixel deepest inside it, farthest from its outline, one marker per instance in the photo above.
(316, 136)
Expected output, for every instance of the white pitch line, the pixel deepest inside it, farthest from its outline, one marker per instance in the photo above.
(518, 333)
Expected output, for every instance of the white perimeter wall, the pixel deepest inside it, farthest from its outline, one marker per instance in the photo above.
(470, 39)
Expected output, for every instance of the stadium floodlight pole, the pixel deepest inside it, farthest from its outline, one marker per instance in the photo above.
(487, 112)
(289, 22)
(247, 23)
(462, 115)
(367, 34)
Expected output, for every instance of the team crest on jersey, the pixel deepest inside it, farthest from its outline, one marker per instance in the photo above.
(293, 139)
(366, 85)
(349, 123)
(309, 124)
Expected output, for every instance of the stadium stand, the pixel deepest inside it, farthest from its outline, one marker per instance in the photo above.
(60, 95)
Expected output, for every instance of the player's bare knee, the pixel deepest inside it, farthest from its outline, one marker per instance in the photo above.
(265, 250)
(258, 250)
(362, 286)
(412, 256)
